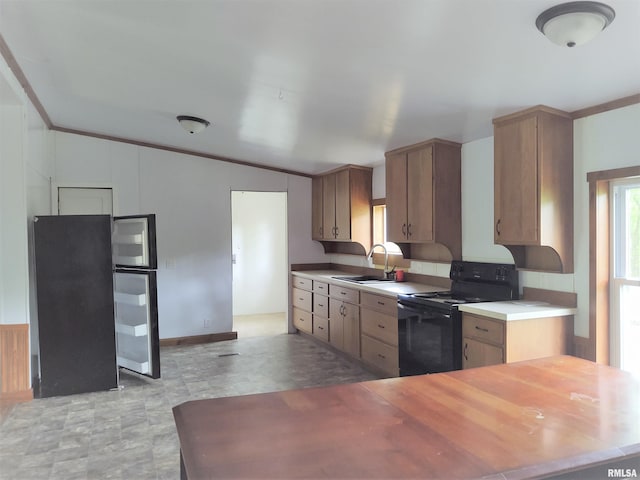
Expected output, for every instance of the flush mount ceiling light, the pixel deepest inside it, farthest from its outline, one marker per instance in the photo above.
(574, 23)
(192, 124)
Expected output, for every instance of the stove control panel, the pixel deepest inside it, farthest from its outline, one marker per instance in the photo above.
(483, 272)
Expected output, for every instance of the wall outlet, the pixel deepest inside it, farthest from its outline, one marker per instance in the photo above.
(206, 322)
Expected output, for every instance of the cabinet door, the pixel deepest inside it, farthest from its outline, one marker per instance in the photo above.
(316, 208)
(336, 324)
(516, 182)
(328, 207)
(420, 195)
(480, 354)
(343, 205)
(351, 329)
(396, 197)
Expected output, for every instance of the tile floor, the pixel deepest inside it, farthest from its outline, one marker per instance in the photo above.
(130, 434)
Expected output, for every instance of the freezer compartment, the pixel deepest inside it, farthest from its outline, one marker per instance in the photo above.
(134, 241)
(136, 321)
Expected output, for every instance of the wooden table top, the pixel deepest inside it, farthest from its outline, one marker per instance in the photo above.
(519, 420)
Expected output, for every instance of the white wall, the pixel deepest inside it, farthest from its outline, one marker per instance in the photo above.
(259, 236)
(191, 198)
(13, 218)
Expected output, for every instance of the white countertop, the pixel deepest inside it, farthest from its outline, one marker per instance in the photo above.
(390, 289)
(516, 309)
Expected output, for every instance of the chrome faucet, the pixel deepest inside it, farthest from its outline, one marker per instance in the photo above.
(386, 256)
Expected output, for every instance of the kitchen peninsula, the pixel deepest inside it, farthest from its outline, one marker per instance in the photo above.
(531, 419)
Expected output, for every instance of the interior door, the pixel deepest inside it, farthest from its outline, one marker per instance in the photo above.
(85, 201)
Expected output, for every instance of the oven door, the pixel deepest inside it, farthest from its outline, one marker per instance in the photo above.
(429, 340)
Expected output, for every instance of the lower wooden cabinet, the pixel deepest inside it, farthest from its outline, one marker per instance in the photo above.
(379, 322)
(480, 354)
(361, 324)
(488, 341)
(380, 355)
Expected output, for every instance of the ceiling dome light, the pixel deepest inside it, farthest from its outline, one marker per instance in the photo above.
(192, 124)
(574, 23)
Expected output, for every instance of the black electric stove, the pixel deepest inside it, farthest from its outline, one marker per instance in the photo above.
(430, 325)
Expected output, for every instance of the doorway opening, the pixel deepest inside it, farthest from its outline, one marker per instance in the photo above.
(260, 263)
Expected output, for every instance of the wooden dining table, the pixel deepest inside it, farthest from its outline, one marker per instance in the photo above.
(532, 419)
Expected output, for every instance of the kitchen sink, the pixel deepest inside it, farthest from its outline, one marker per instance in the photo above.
(363, 279)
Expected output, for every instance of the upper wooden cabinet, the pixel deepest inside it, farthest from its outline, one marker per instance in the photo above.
(423, 200)
(317, 209)
(533, 180)
(341, 209)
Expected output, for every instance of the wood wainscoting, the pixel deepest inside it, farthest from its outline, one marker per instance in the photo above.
(14, 362)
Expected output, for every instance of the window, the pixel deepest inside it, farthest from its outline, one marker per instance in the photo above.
(625, 281)
(380, 227)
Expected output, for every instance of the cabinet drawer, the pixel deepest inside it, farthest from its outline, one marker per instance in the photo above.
(380, 355)
(347, 294)
(380, 303)
(303, 283)
(321, 287)
(379, 325)
(482, 328)
(321, 305)
(302, 320)
(302, 299)
(321, 328)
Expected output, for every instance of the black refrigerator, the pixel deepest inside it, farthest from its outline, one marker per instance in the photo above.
(97, 301)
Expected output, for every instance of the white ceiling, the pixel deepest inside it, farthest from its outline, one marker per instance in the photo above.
(307, 85)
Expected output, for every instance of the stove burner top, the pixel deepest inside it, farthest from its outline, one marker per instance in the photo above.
(448, 297)
(431, 294)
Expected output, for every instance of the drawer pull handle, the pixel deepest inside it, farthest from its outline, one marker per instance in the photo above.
(466, 345)
(343, 293)
(301, 299)
(382, 356)
(482, 329)
(320, 305)
(381, 303)
(380, 326)
(320, 328)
